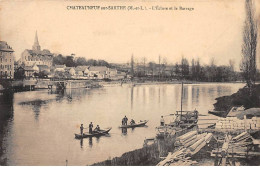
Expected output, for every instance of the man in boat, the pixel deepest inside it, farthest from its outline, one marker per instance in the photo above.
(90, 126)
(97, 128)
(162, 121)
(132, 122)
(81, 129)
(125, 120)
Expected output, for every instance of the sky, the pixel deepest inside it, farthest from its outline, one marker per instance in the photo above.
(212, 30)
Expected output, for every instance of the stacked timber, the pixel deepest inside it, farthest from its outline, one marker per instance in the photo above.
(177, 158)
(203, 139)
(237, 147)
(189, 144)
(230, 123)
(240, 142)
(185, 139)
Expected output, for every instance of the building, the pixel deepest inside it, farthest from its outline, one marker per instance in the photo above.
(80, 70)
(36, 55)
(97, 72)
(70, 70)
(31, 70)
(6, 61)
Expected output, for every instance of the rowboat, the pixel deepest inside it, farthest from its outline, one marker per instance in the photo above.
(218, 113)
(94, 134)
(138, 124)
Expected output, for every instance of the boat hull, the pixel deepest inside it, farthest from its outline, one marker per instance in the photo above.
(94, 134)
(140, 124)
(218, 113)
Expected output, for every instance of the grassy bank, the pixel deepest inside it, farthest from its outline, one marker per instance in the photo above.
(146, 156)
(241, 97)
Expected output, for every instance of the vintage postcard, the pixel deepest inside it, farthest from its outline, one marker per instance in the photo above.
(129, 83)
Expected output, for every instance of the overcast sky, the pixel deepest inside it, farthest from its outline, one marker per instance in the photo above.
(213, 29)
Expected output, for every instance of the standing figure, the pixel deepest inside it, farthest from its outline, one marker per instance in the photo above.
(90, 127)
(125, 120)
(162, 121)
(81, 129)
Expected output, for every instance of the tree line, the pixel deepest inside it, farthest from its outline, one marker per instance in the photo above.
(72, 61)
(186, 71)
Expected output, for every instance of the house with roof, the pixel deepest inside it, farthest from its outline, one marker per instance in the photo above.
(111, 73)
(96, 72)
(6, 60)
(80, 70)
(59, 68)
(70, 70)
(119, 76)
(30, 70)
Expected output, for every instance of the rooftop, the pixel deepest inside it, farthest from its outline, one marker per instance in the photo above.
(98, 68)
(5, 47)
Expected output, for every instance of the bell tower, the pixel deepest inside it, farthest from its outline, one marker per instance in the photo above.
(36, 46)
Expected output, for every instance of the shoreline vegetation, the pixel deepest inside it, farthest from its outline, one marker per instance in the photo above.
(240, 98)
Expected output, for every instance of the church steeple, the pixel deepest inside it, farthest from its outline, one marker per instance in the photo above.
(36, 45)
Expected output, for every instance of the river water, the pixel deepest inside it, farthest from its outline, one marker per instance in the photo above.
(37, 127)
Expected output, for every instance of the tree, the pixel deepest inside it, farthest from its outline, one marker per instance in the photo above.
(198, 70)
(80, 61)
(144, 65)
(59, 60)
(193, 69)
(151, 67)
(184, 67)
(177, 69)
(70, 61)
(19, 73)
(248, 63)
(132, 66)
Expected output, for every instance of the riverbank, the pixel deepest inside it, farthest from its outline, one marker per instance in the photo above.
(149, 155)
(240, 98)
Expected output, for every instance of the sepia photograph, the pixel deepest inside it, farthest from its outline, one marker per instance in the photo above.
(129, 83)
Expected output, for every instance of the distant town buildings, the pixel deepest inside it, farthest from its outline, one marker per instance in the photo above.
(6, 61)
(36, 56)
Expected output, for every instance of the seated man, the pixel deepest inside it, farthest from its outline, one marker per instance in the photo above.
(132, 122)
(97, 128)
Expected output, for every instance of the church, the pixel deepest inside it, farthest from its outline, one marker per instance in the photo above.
(36, 56)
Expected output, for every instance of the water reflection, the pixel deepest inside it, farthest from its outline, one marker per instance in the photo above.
(81, 143)
(6, 117)
(90, 143)
(132, 97)
(124, 131)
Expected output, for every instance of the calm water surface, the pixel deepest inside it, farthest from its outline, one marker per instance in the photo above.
(37, 127)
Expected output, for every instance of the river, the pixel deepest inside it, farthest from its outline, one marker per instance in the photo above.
(37, 127)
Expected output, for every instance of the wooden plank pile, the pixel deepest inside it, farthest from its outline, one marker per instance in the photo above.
(188, 145)
(240, 143)
(237, 147)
